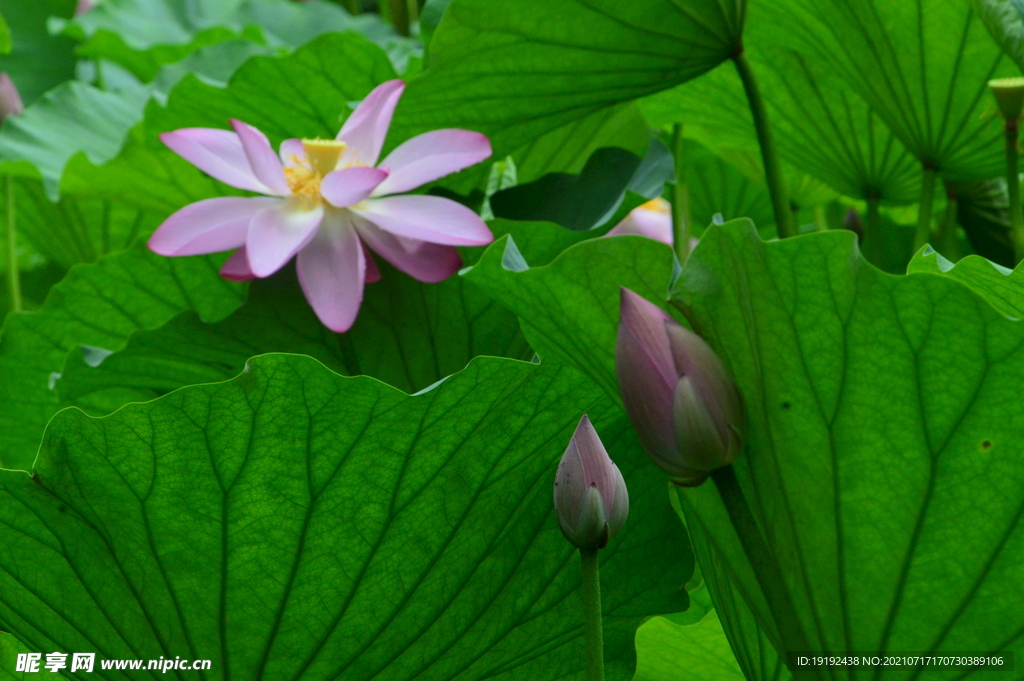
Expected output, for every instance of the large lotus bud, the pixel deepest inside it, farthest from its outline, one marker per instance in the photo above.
(684, 405)
(590, 494)
(10, 100)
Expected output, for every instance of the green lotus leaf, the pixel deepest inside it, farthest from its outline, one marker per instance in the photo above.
(293, 523)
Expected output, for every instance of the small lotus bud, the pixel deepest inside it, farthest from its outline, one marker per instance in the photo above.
(10, 100)
(84, 6)
(684, 405)
(1009, 94)
(590, 494)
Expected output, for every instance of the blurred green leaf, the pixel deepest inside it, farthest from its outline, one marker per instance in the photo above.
(293, 523)
(37, 61)
(144, 35)
(72, 117)
(100, 305)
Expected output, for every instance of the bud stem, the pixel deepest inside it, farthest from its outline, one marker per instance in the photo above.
(13, 277)
(765, 567)
(592, 625)
(769, 155)
(924, 211)
(680, 199)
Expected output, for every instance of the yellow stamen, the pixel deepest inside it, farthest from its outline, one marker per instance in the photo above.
(323, 155)
(303, 181)
(658, 205)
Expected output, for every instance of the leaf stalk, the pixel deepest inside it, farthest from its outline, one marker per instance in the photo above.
(769, 155)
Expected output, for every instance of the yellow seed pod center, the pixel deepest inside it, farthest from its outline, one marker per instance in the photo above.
(323, 155)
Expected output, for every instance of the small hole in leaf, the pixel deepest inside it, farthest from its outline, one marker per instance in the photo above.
(987, 444)
(785, 405)
(61, 509)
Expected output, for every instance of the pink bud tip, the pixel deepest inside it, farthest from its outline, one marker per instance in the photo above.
(590, 494)
(10, 99)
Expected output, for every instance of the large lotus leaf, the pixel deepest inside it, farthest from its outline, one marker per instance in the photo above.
(922, 67)
(98, 304)
(37, 61)
(1003, 20)
(883, 463)
(293, 523)
(515, 70)
(569, 308)
(143, 35)
(820, 126)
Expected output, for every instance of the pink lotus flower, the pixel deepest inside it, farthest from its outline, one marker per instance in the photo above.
(328, 200)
